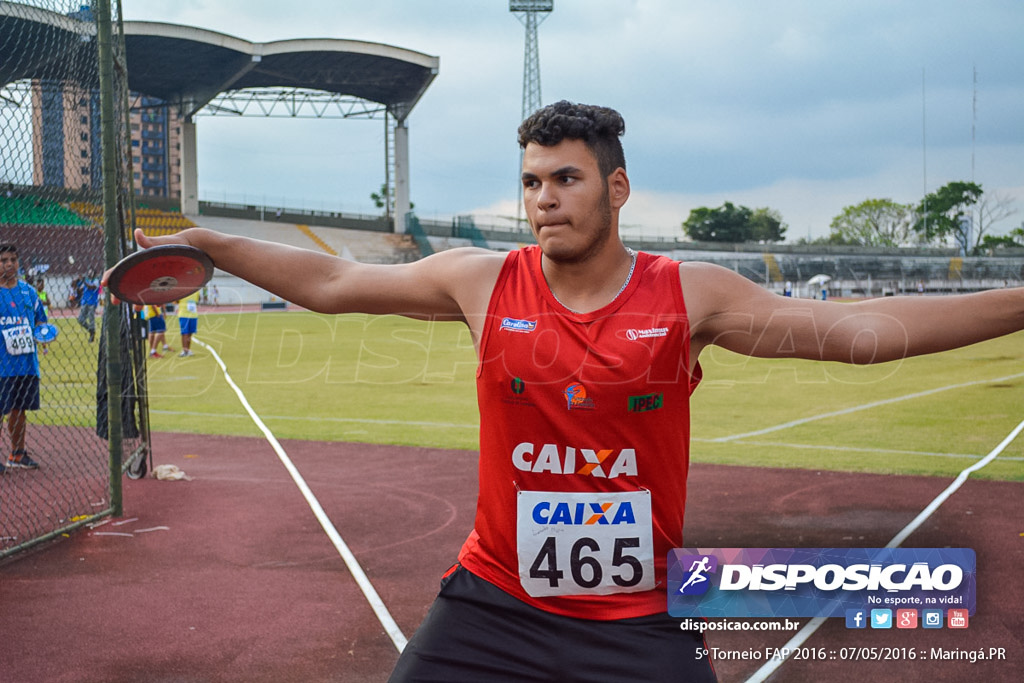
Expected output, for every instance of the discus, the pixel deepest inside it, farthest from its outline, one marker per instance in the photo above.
(160, 275)
(45, 333)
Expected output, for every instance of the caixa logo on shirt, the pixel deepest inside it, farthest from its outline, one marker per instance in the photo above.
(604, 463)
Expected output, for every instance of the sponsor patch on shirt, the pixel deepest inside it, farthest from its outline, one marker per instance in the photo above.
(634, 334)
(641, 404)
(576, 397)
(516, 325)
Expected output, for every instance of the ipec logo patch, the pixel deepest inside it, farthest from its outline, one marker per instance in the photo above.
(517, 386)
(697, 580)
(641, 404)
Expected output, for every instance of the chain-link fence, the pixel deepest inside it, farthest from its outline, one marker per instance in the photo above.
(66, 208)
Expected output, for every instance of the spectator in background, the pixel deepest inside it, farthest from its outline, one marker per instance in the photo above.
(88, 300)
(74, 293)
(188, 321)
(19, 364)
(154, 316)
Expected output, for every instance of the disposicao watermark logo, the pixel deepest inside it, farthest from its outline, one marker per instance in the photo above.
(696, 580)
(818, 582)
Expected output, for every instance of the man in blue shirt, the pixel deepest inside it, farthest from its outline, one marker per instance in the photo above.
(20, 312)
(90, 299)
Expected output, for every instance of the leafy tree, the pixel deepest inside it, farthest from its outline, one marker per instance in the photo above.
(1013, 239)
(990, 210)
(724, 224)
(941, 214)
(991, 242)
(766, 226)
(830, 239)
(731, 223)
(875, 223)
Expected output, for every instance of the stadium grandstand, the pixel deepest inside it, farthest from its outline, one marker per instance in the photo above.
(848, 272)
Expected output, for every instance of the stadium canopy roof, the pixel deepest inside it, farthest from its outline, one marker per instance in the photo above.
(34, 42)
(190, 66)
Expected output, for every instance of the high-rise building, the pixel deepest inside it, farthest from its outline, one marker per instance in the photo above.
(156, 148)
(65, 135)
(67, 147)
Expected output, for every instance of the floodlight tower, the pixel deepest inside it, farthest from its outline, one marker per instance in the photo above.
(530, 13)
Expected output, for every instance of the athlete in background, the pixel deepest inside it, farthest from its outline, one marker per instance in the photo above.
(20, 311)
(188, 322)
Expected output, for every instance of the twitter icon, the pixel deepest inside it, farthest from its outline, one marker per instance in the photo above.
(881, 618)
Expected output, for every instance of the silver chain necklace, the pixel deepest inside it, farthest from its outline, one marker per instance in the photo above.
(629, 276)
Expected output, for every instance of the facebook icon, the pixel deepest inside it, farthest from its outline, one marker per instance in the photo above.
(856, 618)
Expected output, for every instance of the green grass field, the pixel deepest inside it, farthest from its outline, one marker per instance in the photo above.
(397, 381)
(68, 378)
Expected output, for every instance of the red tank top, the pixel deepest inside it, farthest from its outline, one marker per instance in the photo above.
(584, 442)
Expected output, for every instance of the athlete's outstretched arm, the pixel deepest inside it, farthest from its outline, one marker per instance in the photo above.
(447, 284)
(728, 310)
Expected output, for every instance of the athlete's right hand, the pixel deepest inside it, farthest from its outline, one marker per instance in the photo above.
(146, 242)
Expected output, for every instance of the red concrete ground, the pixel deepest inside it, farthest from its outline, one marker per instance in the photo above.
(229, 578)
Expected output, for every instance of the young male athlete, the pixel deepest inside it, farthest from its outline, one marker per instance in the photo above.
(88, 301)
(20, 312)
(188, 321)
(157, 324)
(587, 358)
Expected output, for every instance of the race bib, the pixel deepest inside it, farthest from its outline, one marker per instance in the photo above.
(191, 306)
(18, 340)
(585, 543)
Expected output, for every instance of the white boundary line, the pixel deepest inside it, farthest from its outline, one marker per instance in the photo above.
(807, 631)
(864, 406)
(383, 615)
(858, 449)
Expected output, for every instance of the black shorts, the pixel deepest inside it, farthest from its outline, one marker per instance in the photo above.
(19, 393)
(475, 632)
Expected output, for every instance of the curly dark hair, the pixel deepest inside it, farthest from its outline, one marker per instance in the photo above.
(598, 127)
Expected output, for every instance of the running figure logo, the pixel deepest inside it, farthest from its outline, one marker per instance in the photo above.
(576, 397)
(696, 581)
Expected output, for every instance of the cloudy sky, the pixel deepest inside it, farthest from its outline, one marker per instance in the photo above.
(801, 106)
